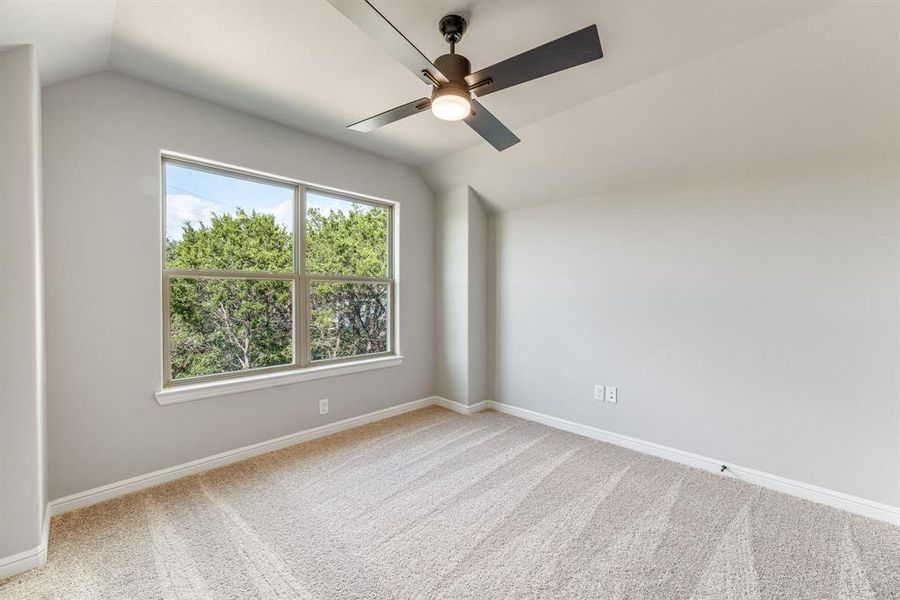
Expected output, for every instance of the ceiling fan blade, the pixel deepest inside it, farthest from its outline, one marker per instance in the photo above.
(568, 51)
(366, 17)
(394, 114)
(490, 128)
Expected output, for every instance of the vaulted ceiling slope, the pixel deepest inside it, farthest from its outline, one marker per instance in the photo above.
(303, 64)
(817, 86)
(72, 38)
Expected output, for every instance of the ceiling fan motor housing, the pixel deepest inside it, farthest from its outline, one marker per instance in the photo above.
(454, 67)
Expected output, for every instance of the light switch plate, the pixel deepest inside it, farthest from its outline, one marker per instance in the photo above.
(599, 393)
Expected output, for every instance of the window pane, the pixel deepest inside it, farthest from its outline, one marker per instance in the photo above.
(348, 319)
(345, 238)
(218, 222)
(225, 325)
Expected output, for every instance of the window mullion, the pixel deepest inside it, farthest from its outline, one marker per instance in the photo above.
(390, 243)
(348, 278)
(392, 287)
(213, 274)
(167, 330)
(301, 321)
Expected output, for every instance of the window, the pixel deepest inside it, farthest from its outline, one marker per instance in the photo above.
(262, 274)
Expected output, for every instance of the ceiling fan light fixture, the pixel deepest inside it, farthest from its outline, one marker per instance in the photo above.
(451, 104)
(451, 74)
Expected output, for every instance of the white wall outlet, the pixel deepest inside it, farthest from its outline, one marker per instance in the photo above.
(323, 406)
(610, 394)
(599, 392)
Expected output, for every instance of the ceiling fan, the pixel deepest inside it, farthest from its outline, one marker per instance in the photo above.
(451, 77)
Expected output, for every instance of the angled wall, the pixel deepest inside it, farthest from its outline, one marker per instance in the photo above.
(22, 418)
(461, 282)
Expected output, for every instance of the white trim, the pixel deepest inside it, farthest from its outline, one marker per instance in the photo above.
(265, 175)
(223, 387)
(29, 559)
(832, 498)
(463, 409)
(854, 504)
(134, 484)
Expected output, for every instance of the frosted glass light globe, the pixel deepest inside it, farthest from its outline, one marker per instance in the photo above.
(450, 105)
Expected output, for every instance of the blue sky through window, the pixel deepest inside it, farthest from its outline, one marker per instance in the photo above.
(194, 196)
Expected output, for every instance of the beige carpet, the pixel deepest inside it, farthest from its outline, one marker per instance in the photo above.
(436, 505)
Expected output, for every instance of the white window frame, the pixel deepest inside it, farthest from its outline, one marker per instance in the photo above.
(303, 367)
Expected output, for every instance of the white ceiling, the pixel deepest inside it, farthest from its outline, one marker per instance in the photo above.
(684, 86)
(826, 83)
(303, 64)
(72, 38)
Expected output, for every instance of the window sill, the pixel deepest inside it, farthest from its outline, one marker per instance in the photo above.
(223, 387)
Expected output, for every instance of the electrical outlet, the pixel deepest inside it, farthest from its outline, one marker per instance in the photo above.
(599, 393)
(610, 394)
(323, 406)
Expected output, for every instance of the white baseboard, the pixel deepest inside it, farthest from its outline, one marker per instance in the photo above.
(854, 504)
(127, 486)
(37, 556)
(463, 409)
(29, 559)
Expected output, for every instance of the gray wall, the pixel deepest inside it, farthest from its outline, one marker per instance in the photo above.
(451, 284)
(102, 139)
(23, 465)
(747, 317)
(477, 261)
(461, 283)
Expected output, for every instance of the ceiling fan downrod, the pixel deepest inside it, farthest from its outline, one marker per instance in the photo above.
(452, 101)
